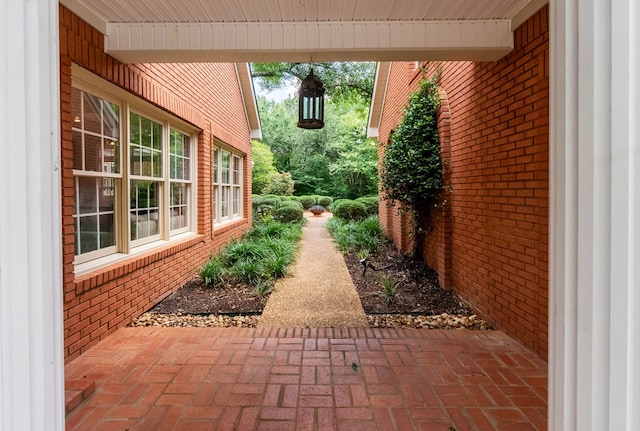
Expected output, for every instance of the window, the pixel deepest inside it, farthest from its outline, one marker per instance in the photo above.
(96, 131)
(153, 199)
(227, 185)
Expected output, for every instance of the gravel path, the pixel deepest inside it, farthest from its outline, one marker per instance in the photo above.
(320, 293)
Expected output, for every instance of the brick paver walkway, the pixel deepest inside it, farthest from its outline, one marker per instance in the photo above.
(310, 379)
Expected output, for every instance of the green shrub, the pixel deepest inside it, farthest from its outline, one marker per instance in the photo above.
(307, 201)
(349, 210)
(370, 204)
(289, 202)
(334, 204)
(265, 212)
(325, 201)
(288, 213)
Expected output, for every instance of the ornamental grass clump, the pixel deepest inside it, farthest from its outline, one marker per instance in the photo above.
(356, 235)
(258, 259)
(389, 288)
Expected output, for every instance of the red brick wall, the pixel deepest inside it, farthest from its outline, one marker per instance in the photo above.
(204, 94)
(498, 177)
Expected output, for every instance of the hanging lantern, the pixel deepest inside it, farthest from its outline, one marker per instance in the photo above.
(311, 103)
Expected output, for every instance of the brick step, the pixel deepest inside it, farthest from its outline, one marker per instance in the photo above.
(76, 391)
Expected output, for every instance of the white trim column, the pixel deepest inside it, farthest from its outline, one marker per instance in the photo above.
(594, 360)
(31, 335)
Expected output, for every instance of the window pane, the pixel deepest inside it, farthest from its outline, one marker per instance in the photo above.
(89, 234)
(92, 153)
(145, 139)
(92, 112)
(76, 107)
(187, 145)
(226, 166)
(111, 120)
(157, 164)
(146, 162)
(95, 226)
(179, 162)
(107, 194)
(236, 200)
(77, 150)
(224, 202)
(96, 127)
(156, 138)
(106, 237)
(110, 156)
(86, 195)
(236, 170)
(178, 207)
(134, 129)
(216, 154)
(144, 213)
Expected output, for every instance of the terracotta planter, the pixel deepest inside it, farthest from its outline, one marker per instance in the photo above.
(316, 210)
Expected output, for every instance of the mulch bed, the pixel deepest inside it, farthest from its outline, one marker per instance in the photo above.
(418, 291)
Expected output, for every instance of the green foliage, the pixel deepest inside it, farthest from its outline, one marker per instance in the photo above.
(348, 209)
(345, 80)
(249, 271)
(214, 271)
(362, 236)
(288, 213)
(261, 256)
(242, 251)
(307, 201)
(411, 171)
(370, 204)
(389, 288)
(263, 165)
(325, 201)
(337, 160)
(263, 288)
(279, 184)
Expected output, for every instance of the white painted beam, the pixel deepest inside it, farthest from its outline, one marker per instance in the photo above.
(318, 41)
(31, 346)
(594, 215)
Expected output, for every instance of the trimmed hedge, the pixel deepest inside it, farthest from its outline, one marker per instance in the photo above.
(325, 201)
(370, 204)
(288, 213)
(349, 210)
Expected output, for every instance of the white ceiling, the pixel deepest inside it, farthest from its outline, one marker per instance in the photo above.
(242, 11)
(305, 30)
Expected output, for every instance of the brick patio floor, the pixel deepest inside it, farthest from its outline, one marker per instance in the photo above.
(309, 379)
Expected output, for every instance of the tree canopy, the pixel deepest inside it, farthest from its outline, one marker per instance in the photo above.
(263, 165)
(340, 80)
(337, 160)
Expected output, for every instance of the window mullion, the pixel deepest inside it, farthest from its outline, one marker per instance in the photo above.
(165, 188)
(125, 185)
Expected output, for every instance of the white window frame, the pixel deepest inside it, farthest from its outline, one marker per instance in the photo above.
(232, 187)
(126, 246)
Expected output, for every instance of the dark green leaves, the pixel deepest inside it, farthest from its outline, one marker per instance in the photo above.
(412, 169)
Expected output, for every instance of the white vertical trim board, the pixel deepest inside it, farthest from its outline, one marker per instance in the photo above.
(31, 338)
(595, 241)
